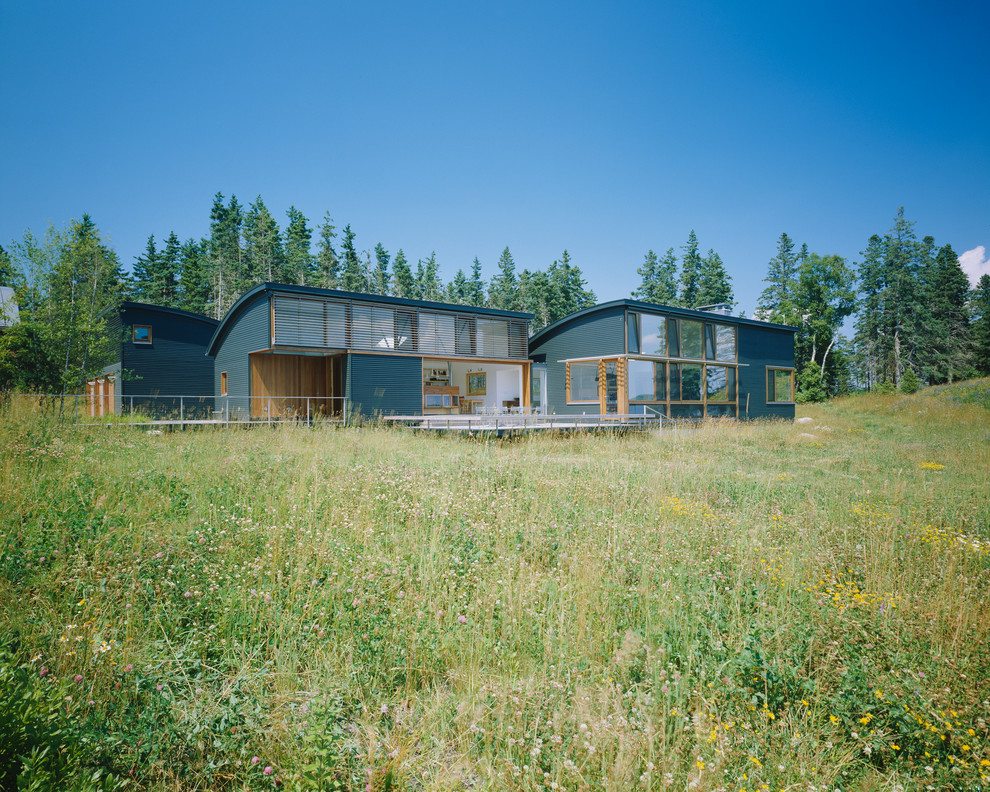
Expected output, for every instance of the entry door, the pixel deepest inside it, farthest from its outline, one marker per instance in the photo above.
(609, 386)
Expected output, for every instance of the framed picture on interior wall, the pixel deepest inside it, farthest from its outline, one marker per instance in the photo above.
(477, 384)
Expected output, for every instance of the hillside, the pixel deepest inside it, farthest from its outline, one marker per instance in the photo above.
(765, 606)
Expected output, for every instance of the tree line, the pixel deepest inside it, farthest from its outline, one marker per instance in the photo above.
(246, 247)
(916, 320)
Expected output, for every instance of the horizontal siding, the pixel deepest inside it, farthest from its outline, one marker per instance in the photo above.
(174, 363)
(758, 348)
(590, 335)
(247, 332)
(384, 385)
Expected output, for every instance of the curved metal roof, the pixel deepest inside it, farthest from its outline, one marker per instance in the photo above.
(654, 307)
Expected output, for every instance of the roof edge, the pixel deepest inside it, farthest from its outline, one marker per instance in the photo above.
(667, 309)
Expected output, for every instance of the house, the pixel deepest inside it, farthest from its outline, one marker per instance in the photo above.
(297, 351)
(630, 357)
(158, 364)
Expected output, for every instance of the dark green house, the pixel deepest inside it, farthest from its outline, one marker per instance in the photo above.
(296, 351)
(159, 363)
(629, 357)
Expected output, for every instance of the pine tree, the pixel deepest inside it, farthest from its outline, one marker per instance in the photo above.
(503, 289)
(353, 277)
(145, 272)
(714, 284)
(169, 274)
(945, 343)
(327, 262)
(567, 292)
(658, 279)
(403, 284)
(428, 284)
(980, 309)
(690, 272)
(891, 326)
(194, 279)
(300, 267)
(379, 275)
(776, 303)
(263, 249)
(226, 262)
(457, 289)
(475, 295)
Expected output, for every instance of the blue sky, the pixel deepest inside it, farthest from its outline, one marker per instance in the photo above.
(461, 128)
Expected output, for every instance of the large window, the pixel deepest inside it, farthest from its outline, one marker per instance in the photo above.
(654, 334)
(725, 343)
(583, 378)
(780, 385)
(633, 321)
(685, 381)
(720, 383)
(647, 380)
(691, 333)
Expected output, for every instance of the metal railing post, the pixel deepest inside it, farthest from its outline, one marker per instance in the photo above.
(182, 411)
(132, 409)
(308, 423)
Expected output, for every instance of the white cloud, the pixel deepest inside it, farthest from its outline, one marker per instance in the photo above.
(975, 263)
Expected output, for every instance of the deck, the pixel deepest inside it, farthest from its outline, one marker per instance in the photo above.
(501, 425)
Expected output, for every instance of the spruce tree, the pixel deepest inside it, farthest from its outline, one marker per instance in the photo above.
(327, 261)
(980, 308)
(263, 250)
(658, 282)
(690, 272)
(379, 275)
(944, 344)
(714, 284)
(503, 289)
(457, 289)
(776, 303)
(353, 277)
(145, 273)
(300, 267)
(168, 279)
(475, 295)
(403, 284)
(224, 255)
(428, 284)
(194, 279)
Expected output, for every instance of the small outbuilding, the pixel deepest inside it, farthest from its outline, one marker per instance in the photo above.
(158, 366)
(285, 351)
(630, 357)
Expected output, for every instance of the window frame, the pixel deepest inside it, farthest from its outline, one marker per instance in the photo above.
(568, 374)
(134, 334)
(771, 372)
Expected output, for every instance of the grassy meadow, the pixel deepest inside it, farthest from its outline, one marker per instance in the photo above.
(727, 607)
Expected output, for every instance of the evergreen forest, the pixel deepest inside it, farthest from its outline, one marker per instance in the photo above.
(914, 317)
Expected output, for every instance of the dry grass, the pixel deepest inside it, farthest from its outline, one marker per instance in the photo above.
(734, 607)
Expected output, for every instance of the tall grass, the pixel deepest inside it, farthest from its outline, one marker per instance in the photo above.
(736, 606)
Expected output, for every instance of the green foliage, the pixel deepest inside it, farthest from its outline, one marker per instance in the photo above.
(910, 382)
(43, 743)
(691, 266)
(658, 279)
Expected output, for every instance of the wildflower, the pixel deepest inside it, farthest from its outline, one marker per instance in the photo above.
(254, 760)
(43, 671)
(268, 770)
(462, 619)
(77, 678)
(128, 668)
